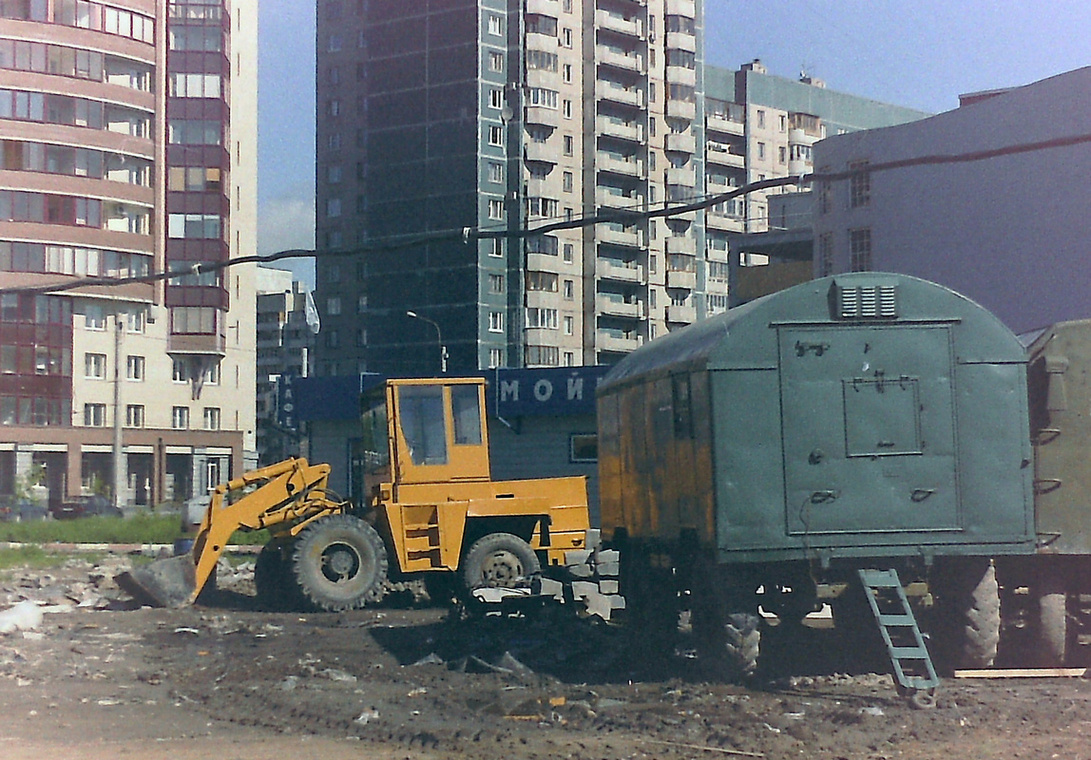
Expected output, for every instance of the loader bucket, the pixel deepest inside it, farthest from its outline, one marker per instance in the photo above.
(164, 583)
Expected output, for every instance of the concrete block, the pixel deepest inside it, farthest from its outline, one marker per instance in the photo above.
(549, 587)
(576, 556)
(607, 555)
(581, 589)
(581, 571)
(600, 605)
(608, 587)
(593, 538)
(607, 569)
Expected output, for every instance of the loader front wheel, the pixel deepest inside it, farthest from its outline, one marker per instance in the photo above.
(499, 560)
(340, 563)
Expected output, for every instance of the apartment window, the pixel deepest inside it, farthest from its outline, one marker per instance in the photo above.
(136, 321)
(94, 415)
(569, 359)
(194, 226)
(651, 91)
(496, 61)
(334, 174)
(134, 415)
(541, 318)
(496, 358)
(361, 303)
(859, 185)
(212, 377)
(180, 371)
(212, 418)
(542, 356)
(496, 283)
(333, 306)
(569, 290)
(94, 366)
(566, 37)
(860, 249)
(333, 44)
(179, 417)
(333, 207)
(496, 208)
(566, 182)
(134, 367)
(566, 109)
(761, 118)
(496, 249)
(569, 325)
(496, 135)
(782, 154)
(824, 193)
(653, 262)
(541, 282)
(496, 98)
(567, 6)
(361, 337)
(568, 145)
(94, 317)
(333, 339)
(566, 72)
(651, 126)
(496, 321)
(651, 298)
(761, 151)
(496, 172)
(569, 250)
(496, 25)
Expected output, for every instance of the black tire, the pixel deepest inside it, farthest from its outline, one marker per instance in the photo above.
(968, 615)
(1052, 623)
(499, 560)
(273, 579)
(729, 643)
(340, 563)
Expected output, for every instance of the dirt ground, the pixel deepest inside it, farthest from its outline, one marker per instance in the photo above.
(97, 679)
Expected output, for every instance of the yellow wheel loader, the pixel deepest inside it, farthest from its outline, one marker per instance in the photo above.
(434, 513)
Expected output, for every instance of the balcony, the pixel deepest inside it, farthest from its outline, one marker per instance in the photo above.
(717, 221)
(542, 262)
(682, 41)
(550, 80)
(721, 123)
(628, 61)
(631, 27)
(541, 299)
(606, 199)
(681, 109)
(611, 92)
(549, 8)
(542, 153)
(623, 343)
(681, 244)
(681, 75)
(720, 154)
(620, 129)
(630, 166)
(687, 8)
(680, 142)
(682, 280)
(681, 315)
(681, 175)
(608, 269)
(615, 307)
(541, 116)
(196, 344)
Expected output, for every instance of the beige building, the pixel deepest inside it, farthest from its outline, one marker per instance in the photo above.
(120, 160)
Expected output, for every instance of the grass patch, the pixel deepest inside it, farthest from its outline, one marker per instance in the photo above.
(139, 529)
(33, 557)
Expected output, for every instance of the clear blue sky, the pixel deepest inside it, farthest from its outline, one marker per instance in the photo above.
(920, 54)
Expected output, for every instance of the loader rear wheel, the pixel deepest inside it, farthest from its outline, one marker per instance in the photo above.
(499, 560)
(340, 563)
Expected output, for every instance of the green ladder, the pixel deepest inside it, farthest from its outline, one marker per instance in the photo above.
(916, 676)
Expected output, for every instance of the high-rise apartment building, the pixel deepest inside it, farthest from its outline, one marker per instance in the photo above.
(129, 148)
(506, 115)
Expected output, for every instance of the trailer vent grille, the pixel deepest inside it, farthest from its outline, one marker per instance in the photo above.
(866, 302)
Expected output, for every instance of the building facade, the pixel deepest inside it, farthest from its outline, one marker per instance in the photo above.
(1002, 219)
(129, 148)
(284, 344)
(506, 115)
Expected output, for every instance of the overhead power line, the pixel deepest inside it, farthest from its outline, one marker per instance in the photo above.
(623, 216)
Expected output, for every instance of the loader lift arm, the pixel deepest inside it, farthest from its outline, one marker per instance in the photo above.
(287, 496)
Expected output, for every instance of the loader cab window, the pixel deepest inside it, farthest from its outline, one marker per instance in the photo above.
(465, 403)
(373, 446)
(421, 409)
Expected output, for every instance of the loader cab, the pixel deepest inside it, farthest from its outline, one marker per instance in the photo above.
(425, 431)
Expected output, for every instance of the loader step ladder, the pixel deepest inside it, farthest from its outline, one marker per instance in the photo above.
(913, 670)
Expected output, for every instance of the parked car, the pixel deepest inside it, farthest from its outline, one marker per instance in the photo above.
(17, 510)
(85, 506)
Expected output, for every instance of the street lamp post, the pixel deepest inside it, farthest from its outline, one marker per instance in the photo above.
(439, 339)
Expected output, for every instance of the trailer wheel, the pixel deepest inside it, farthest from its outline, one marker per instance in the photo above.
(340, 563)
(499, 560)
(968, 628)
(728, 643)
(1052, 623)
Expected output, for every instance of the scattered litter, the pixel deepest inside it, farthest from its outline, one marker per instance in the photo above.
(338, 675)
(25, 616)
(417, 692)
(367, 716)
(192, 631)
(289, 683)
(873, 710)
(430, 659)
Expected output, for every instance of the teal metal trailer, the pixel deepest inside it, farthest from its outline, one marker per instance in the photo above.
(763, 456)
